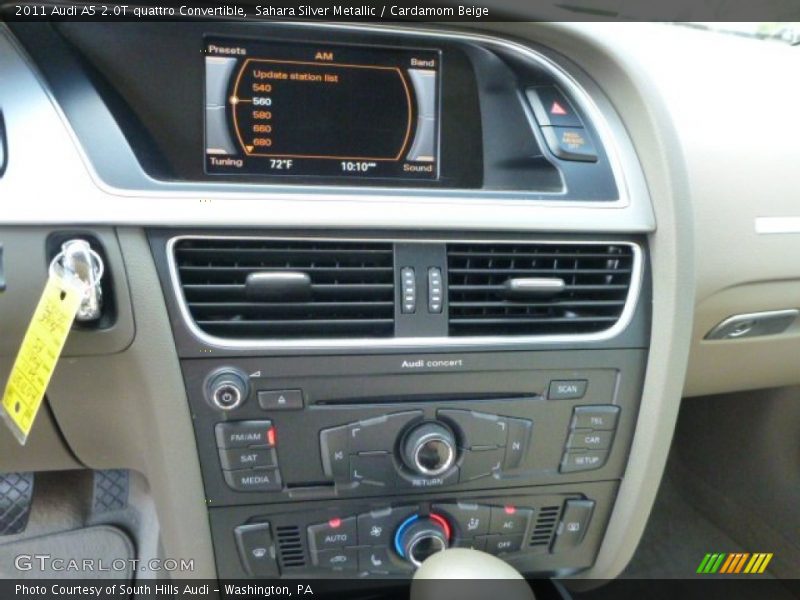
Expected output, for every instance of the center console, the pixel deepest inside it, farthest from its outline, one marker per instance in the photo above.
(363, 452)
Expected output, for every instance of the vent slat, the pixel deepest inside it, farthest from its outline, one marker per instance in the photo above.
(351, 292)
(291, 552)
(532, 272)
(596, 277)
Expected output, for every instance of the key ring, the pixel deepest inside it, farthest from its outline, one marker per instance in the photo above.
(79, 263)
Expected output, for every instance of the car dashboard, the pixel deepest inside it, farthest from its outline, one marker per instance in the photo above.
(369, 291)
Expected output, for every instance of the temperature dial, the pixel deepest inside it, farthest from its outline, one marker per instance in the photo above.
(417, 538)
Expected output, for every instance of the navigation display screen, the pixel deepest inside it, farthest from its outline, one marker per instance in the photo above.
(313, 110)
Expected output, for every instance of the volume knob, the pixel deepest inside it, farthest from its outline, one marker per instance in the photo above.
(429, 449)
(227, 388)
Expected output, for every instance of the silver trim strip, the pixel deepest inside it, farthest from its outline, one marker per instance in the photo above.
(771, 225)
(406, 342)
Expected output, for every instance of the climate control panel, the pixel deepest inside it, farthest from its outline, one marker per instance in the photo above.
(392, 540)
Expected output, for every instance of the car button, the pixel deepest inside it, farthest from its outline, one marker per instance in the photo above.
(570, 143)
(280, 399)
(253, 480)
(595, 417)
(550, 107)
(342, 559)
(574, 523)
(510, 520)
(334, 533)
(568, 389)
(240, 434)
(589, 440)
(256, 549)
(572, 462)
(470, 519)
(247, 458)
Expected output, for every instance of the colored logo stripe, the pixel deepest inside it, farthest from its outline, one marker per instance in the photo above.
(734, 563)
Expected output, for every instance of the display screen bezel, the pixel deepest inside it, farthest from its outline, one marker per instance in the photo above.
(309, 173)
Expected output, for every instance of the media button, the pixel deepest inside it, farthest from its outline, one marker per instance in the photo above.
(254, 480)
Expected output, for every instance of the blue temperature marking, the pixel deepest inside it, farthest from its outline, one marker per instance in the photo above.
(403, 526)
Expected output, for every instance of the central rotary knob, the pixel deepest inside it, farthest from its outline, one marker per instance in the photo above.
(418, 537)
(429, 449)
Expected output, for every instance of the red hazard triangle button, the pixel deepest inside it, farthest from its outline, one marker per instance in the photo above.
(557, 109)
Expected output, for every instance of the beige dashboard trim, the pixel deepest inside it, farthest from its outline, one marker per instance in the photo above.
(772, 225)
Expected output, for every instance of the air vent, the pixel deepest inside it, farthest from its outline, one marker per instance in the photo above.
(537, 289)
(280, 289)
(545, 527)
(290, 547)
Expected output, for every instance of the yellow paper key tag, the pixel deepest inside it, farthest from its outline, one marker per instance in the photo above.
(39, 353)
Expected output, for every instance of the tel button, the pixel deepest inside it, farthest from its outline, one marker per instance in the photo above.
(334, 533)
(595, 417)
